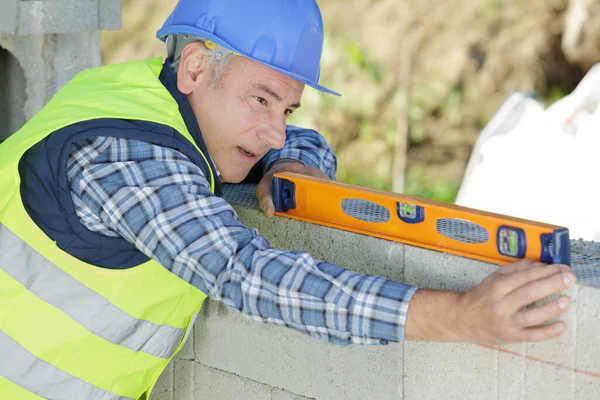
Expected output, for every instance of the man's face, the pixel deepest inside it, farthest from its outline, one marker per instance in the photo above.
(244, 115)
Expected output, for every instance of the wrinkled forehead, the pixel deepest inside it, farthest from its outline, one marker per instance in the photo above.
(254, 78)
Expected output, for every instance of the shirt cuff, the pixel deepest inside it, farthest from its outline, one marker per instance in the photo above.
(409, 295)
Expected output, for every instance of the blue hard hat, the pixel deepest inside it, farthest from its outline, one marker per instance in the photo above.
(286, 35)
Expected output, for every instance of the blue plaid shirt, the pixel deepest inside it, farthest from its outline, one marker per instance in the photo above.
(159, 201)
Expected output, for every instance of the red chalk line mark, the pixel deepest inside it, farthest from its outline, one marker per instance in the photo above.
(532, 358)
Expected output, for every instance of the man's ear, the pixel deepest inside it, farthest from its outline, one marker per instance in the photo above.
(192, 68)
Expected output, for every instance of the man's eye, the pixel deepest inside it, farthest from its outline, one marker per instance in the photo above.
(261, 100)
(288, 112)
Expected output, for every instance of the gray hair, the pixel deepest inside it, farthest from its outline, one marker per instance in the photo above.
(216, 59)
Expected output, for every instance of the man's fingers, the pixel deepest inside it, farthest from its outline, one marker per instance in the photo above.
(266, 205)
(263, 189)
(522, 277)
(538, 288)
(540, 333)
(540, 315)
(265, 197)
(270, 211)
(518, 266)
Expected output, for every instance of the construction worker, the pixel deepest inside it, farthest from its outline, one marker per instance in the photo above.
(112, 231)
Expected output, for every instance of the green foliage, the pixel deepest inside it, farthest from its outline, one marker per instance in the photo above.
(416, 114)
(363, 60)
(363, 179)
(439, 190)
(493, 10)
(366, 129)
(389, 131)
(451, 105)
(415, 185)
(555, 93)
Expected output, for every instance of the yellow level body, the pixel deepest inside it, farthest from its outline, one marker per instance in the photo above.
(430, 224)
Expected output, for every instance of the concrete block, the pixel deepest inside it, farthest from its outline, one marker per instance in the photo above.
(187, 352)
(184, 383)
(72, 53)
(197, 381)
(57, 16)
(449, 371)
(586, 387)
(281, 358)
(524, 376)
(12, 102)
(587, 348)
(547, 381)
(436, 270)
(561, 350)
(8, 16)
(48, 62)
(109, 14)
(164, 386)
(511, 371)
(31, 53)
(588, 329)
(550, 364)
(280, 394)
(211, 384)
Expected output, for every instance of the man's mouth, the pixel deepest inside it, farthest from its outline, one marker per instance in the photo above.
(247, 153)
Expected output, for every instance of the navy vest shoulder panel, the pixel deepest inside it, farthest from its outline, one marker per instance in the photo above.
(47, 197)
(168, 78)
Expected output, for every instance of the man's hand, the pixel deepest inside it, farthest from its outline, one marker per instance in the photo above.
(264, 190)
(494, 312)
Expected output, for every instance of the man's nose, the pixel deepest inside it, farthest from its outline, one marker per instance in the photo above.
(274, 133)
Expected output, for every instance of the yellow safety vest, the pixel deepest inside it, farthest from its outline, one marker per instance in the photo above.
(69, 329)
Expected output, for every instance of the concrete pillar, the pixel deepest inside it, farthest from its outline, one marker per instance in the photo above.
(43, 44)
(12, 100)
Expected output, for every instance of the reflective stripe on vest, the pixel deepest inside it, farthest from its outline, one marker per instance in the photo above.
(48, 282)
(26, 370)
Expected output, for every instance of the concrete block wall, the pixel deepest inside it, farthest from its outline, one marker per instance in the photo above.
(231, 357)
(43, 44)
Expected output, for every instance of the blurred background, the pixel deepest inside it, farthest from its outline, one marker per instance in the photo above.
(419, 79)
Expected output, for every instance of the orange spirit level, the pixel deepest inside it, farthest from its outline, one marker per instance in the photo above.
(438, 226)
